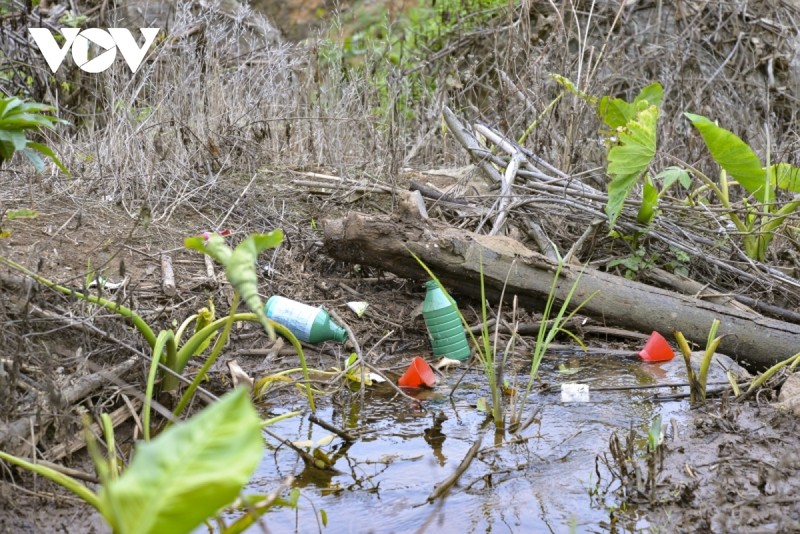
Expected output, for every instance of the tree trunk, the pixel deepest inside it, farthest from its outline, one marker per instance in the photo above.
(455, 256)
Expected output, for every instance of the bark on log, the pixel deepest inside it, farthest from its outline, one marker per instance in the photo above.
(455, 256)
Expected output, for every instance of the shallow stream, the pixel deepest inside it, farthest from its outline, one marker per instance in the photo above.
(542, 479)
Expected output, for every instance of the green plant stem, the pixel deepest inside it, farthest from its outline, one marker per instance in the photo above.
(182, 328)
(711, 347)
(723, 197)
(165, 339)
(278, 418)
(138, 322)
(201, 374)
(111, 446)
(536, 122)
(758, 382)
(191, 344)
(84, 493)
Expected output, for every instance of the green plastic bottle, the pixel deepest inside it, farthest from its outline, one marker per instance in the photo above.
(309, 324)
(444, 325)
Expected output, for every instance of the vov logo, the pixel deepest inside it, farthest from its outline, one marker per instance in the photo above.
(78, 40)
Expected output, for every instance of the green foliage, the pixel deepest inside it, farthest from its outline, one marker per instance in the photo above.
(186, 474)
(629, 160)
(163, 491)
(698, 381)
(548, 330)
(166, 344)
(617, 113)
(632, 147)
(654, 436)
(240, 265)
(735, 156)
(394, 51)
(18, 119)
(738, 160)
(638, 260)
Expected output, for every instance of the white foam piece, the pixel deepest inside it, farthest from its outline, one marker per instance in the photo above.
(574, 393)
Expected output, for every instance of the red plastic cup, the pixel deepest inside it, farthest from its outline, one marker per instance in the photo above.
(656, 349)
(419, 374)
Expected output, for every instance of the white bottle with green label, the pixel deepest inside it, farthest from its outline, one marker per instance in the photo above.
(309, 324)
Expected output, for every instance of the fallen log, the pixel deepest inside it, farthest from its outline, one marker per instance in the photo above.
(455, 256)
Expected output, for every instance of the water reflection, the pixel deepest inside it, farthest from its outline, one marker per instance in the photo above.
(541, 479)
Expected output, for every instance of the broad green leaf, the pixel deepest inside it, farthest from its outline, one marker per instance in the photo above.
(214, 245)
(35, 159)
(189, 471)
(735, 156)
(9, 105)
(647, 211)
(630, 159)
(616, 112)
(670, 175)
(653, 94)
(786, 177)
(44, 149)
(15, 137)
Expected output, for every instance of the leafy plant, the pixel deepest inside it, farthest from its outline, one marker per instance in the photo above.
(634, 262)
(762, 183)
(186, 474)
(240, 271)
(698, 382)
(632, 146)
(547, 332)
(391, 49)
(634, 125)
(17, 120)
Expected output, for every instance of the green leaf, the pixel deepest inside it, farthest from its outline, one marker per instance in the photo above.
(654, 433)
(786, 176)
(35, 159)
(670, 175)
(242, 274)
(189, 471)
(735, 156)
(630, 159)
(214, 245)
(647, 211)
(50, 154)
(653, 94)
(616, 112)
(632, 263)
(15, 137)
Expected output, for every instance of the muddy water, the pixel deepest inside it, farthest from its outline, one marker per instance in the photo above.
(537, 481)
